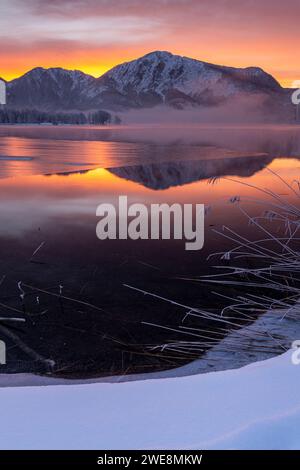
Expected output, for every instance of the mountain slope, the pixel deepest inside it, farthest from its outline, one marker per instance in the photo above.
(54, 88)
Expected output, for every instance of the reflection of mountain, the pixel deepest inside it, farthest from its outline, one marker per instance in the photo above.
(167, 174)
(218, 149)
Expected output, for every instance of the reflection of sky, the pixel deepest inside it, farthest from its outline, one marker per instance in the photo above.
(176, 157)
(26, 150)
(52, 202)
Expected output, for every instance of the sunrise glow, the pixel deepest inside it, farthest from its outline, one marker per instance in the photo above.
(95, 36)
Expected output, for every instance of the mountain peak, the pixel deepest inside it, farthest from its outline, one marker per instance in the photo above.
(55, 70)
(158, 54)
(160, 77)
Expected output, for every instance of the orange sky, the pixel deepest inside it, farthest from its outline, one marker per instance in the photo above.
(94, 35)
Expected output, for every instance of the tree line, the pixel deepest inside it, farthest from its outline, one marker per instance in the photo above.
(35, 116)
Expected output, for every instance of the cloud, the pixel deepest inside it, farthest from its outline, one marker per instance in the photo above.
(269, 13)
(34, 25)
(231, 32)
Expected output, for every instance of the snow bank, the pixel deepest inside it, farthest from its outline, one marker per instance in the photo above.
(256, 407)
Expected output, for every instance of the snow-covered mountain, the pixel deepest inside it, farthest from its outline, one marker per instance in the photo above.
(157, 78)
(54, 88)
(161, 77)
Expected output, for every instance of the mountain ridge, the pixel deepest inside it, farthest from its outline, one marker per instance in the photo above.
(148, 54)
(157, 78)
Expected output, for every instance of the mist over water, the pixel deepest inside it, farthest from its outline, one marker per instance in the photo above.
(258, 109)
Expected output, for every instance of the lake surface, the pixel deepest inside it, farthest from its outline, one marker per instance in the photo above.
(81, 319)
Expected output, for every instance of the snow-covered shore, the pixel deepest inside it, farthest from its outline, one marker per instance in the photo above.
(255, 407)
